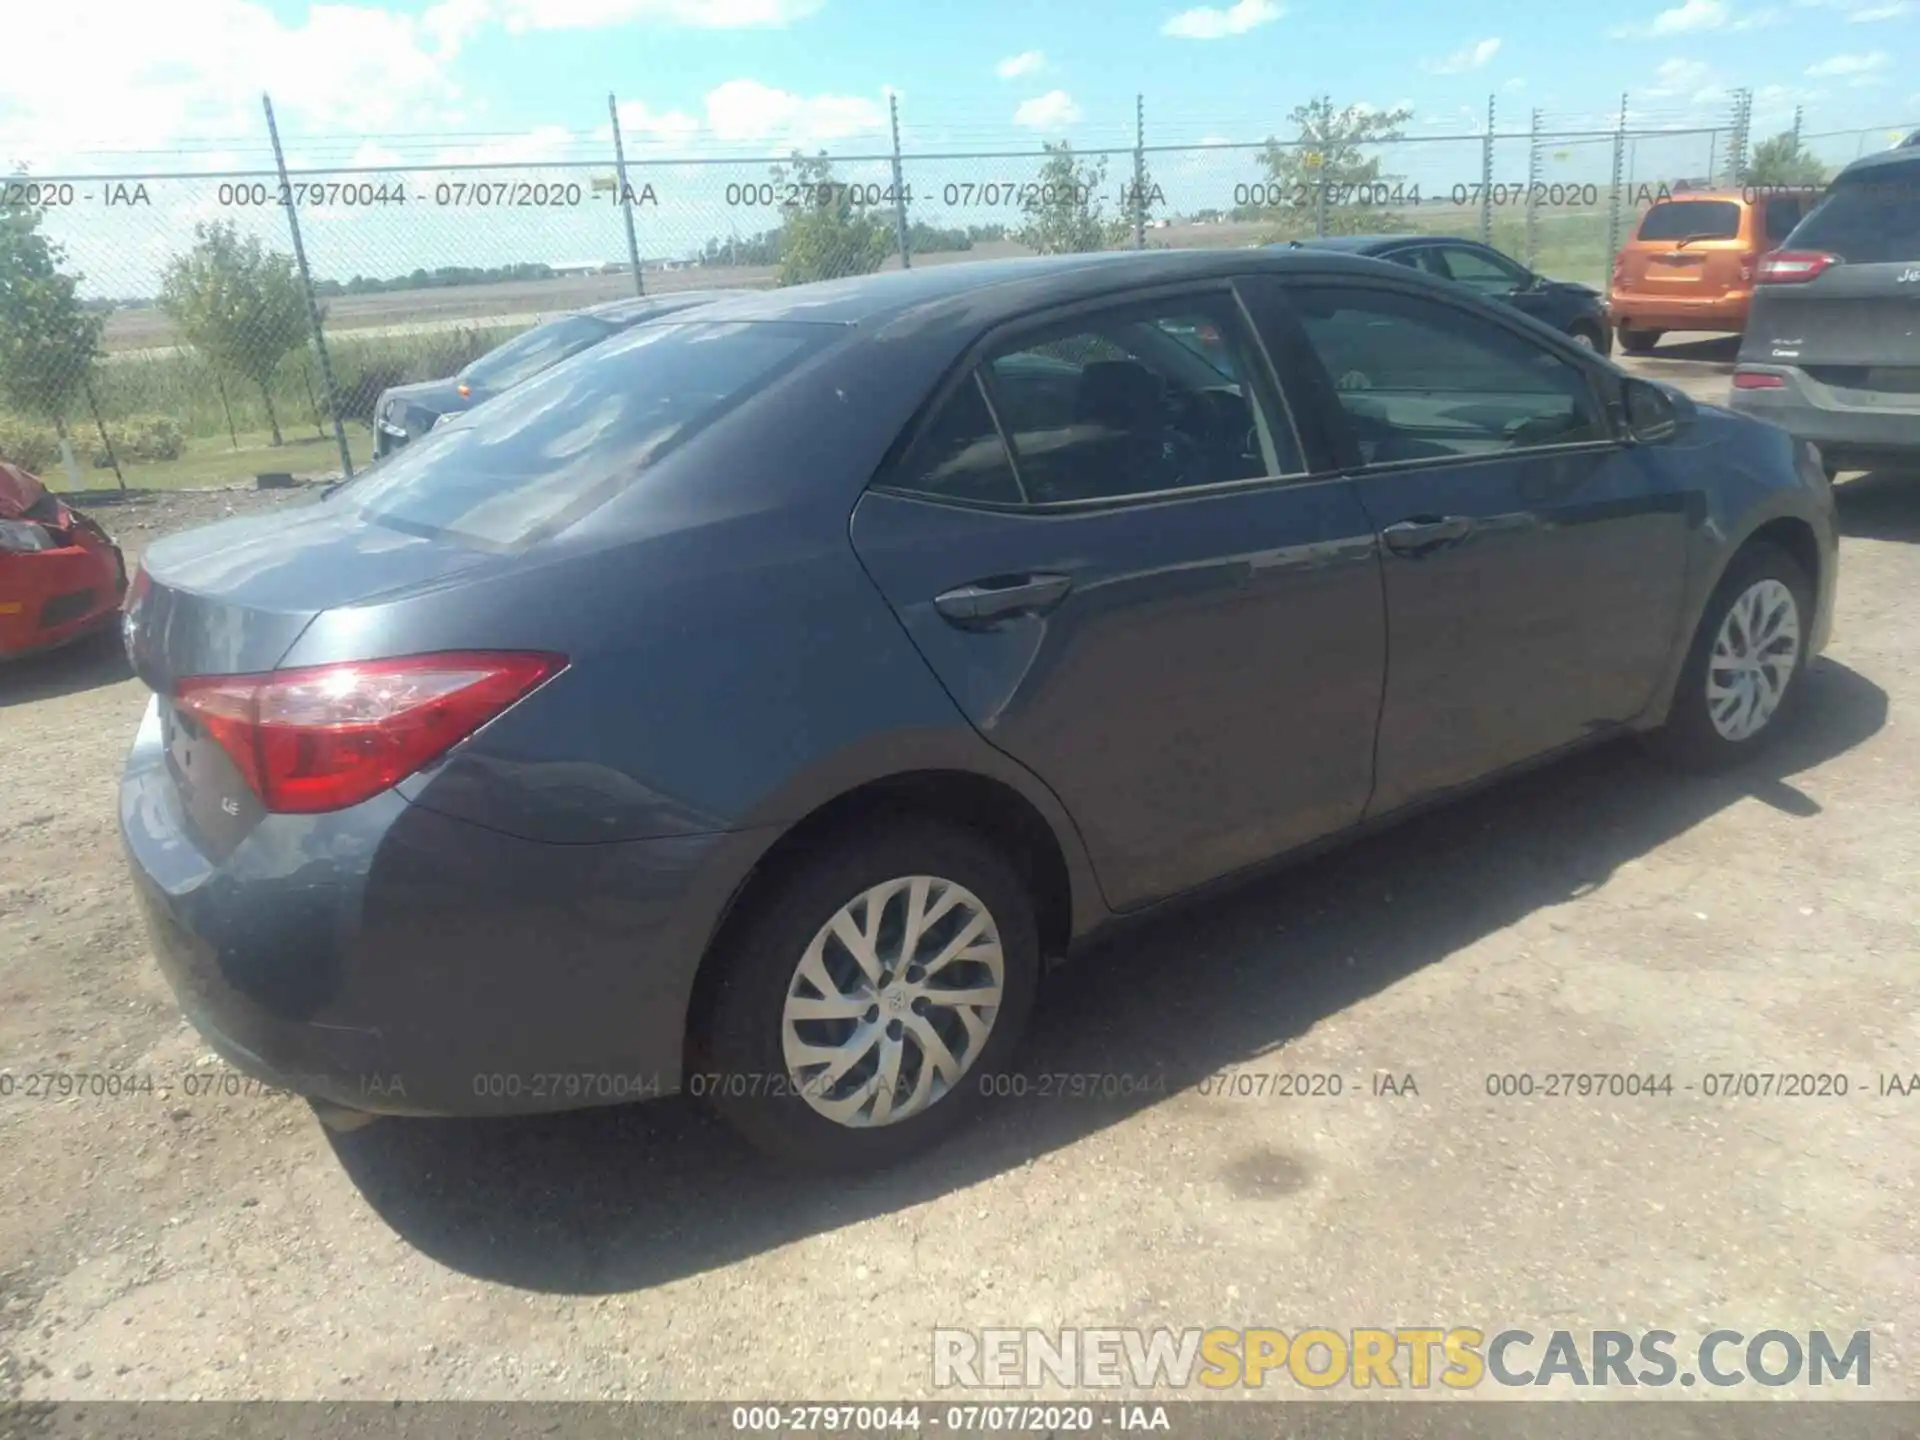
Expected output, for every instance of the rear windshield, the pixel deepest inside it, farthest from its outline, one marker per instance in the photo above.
(525, 356)
(526, 465)
(1871, 220)
(1692, 219)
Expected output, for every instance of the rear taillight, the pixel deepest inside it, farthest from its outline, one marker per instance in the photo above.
(331, 736)
(1746, 267)
(1758, 380)
(1619, 271)
(1794, 267)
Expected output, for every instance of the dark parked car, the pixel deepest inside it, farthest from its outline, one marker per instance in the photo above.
(1832, 350)
(406, 412)
(749, 705)
(1569, 307)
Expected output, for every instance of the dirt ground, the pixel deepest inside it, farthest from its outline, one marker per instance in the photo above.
(1602, 915)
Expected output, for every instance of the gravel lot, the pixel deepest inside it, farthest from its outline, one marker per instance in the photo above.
(1601, 915)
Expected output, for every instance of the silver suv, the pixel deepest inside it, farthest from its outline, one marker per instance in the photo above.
(1832, 347)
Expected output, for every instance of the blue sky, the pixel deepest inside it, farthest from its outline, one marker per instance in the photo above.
(139, 85)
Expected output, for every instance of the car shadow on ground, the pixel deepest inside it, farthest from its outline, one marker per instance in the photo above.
(1699, 350)
(615, 1200)
(1880, 505)
(86, 664)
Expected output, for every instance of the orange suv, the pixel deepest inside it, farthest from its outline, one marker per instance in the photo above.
(1690, 265)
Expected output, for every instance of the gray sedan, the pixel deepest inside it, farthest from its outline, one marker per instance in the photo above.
(751, 704)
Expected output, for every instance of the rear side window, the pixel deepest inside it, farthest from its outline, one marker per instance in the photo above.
(537, 458)
(1873, 219)
(1691, 220)
(960, 455)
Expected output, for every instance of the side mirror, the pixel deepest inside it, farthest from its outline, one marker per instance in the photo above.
(1652, 413)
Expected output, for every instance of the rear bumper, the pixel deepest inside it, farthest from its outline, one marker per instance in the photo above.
(1850, 436)
(1639, 311)
(391, 959)
(51, 597)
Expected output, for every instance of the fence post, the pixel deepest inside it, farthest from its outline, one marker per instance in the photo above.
(306, 286)
(1139, 172)
(1486, 179)
(1619, 164)
(1320, 167)
(1796, 129)
(1533, 189)
(626, 195)
(1737, 145)
(899, 188)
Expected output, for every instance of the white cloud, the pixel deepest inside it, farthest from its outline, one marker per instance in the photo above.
(637, 120)
(1694, 18)
(523, 15)
(1678, 77)
(197, 67)
(1027, 62)
(1469, 57)
(1872, 13)
(544, 143)
(1207, 22)
(1048, 111)
(748, 110)
(1861, 69)
(1516, 83)
(1850, 64)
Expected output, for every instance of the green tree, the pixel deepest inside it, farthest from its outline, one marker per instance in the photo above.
(48, 339)
(1783, 160)
(1329, 149)
(1065, 213)
(826, 234)
(239, 304)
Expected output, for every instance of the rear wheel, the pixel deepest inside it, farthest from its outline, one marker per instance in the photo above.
(1638, 342)
(1590, 336)
(867, 1000)
(1744, 668)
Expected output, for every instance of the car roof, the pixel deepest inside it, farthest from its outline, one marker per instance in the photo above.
(1000, 289)
(1903, 157)
(1367, 244)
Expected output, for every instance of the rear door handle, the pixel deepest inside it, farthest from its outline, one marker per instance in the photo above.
(1424, 534)
(985, 601)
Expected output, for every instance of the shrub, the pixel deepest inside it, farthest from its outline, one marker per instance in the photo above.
(143, 437)
(30, 444)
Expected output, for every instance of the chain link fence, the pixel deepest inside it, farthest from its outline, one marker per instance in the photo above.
(174, 329)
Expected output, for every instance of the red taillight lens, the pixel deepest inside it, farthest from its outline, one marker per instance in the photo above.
(331, 736)
(1758, 380)
(464, 391)
(1794, 267)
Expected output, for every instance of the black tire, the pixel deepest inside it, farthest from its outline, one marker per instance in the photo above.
(1593, 337)
(744, 1074)
(1690, 738)
(1638, 342)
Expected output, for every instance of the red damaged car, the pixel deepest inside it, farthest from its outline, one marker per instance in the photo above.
(61, 575)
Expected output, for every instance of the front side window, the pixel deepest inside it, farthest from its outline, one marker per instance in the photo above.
(1478, 271)
(1783, 212)
(1138, 400)
(1419, 379)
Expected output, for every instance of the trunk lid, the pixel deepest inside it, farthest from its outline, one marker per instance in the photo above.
(231, 598)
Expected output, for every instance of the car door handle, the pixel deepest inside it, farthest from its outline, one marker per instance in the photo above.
(1424, 534)
(996, 599)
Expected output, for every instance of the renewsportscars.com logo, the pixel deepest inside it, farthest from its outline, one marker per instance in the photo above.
(1416, 1358)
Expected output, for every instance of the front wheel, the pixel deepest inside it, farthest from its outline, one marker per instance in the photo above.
(1744, 667)
(1590, 337)
(866, 1000)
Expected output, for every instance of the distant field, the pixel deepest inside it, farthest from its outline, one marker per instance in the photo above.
(1571, 246)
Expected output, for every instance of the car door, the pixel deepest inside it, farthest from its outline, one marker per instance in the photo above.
(1533, 561)
(1134, 586)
